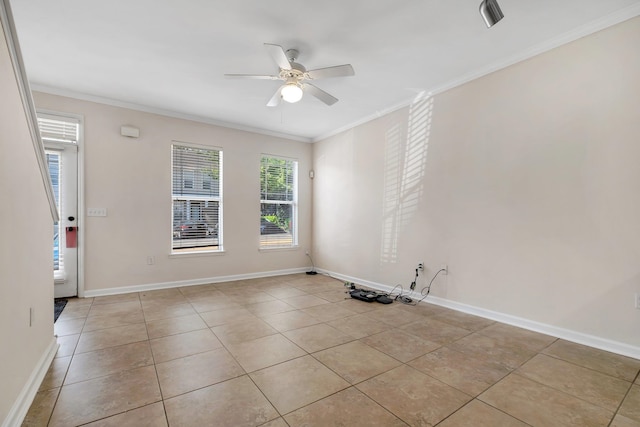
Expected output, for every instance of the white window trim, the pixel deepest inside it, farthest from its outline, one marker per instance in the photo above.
(199, 253)
(294, 245)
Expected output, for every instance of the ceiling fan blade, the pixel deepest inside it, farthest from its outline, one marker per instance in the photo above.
(278, 55)
(276, 98)
(319, 93)
(337, 71)
(251, 76)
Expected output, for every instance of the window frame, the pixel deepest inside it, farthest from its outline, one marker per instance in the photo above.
(293, 203)
(197, 250)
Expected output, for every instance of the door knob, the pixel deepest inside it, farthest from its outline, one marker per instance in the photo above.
(71, 218)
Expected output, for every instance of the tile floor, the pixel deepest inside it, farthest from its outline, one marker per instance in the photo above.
(292, 351)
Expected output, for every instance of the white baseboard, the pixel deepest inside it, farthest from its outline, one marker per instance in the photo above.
(21, 406)
(555, 331)
(192, 282)
(566, 334)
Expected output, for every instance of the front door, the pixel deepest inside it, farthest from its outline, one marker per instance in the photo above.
(62, 159)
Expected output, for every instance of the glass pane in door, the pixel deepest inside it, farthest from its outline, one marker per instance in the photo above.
(53, 161)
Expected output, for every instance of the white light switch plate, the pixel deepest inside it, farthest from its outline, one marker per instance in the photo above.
(96, 211)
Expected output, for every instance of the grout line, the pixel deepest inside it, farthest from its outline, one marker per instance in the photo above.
(622, 401)
(317, 288)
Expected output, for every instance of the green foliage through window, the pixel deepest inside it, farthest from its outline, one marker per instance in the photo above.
(276, 179)
(278, 210)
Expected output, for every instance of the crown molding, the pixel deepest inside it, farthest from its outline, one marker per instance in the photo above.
(366, 119)
(167, 113)
(565, 38)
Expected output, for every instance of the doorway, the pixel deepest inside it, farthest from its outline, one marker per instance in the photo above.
(60, 138)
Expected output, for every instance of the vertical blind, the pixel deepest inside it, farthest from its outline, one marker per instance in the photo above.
(278, 199)
(196, 199)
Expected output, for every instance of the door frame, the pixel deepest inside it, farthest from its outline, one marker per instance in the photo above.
(80, 187)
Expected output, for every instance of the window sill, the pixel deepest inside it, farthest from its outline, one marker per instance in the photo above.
(279, 248)
(195, 254)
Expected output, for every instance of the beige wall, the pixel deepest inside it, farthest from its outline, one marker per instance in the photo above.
(525, 182)
(26, 263)
(132, 179)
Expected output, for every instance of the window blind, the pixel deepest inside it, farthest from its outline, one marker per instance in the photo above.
(196, 199)
(59, 129)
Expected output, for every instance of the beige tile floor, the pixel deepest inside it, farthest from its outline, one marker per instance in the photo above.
(293, 351)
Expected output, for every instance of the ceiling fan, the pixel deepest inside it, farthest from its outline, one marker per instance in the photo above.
(296, 77)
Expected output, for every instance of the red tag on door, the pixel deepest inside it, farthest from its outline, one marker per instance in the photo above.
(71, 237)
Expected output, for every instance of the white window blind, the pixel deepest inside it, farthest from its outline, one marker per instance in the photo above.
(278, 202)
(58, 129)
(196, 199)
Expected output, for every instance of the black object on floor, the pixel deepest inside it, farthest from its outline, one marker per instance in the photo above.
(58, 306)
(363, 295)
(367, 295)
(383, 299)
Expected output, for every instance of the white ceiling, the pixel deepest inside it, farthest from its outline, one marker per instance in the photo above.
(170, 56)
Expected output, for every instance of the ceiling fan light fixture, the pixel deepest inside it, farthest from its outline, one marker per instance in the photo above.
(291, 92)
(295, 77)
(490, 12)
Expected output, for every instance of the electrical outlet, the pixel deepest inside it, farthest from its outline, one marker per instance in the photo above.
(421, 266)
(445, 268)
(151, 260)
(638, 301)
(306, 251)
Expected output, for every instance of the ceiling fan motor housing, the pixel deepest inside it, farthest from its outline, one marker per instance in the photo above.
(297, 72)
(292, 54)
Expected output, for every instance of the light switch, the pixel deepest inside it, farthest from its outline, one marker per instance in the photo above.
(96, 211)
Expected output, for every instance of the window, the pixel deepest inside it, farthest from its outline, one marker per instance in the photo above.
(53, 162)
(196, 199)
(58, 129)
(278, 202)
